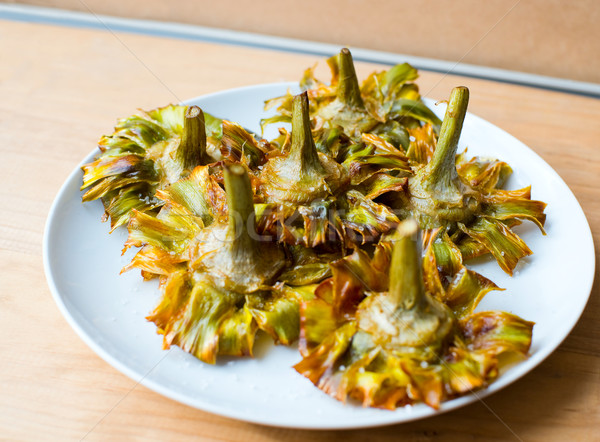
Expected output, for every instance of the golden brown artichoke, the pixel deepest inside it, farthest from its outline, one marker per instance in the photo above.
(391, 342)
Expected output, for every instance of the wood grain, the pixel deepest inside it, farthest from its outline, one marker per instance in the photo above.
(61, 88)
(558, 38)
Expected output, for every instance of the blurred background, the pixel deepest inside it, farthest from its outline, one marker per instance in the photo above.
(557, 38)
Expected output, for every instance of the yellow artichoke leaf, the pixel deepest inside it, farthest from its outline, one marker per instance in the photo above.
(393, 133)
(463, 373)
(318, 319)
(279, 118)
(117, 146)
(171, 231)
(522, 209)
(331, 141)
(308, 266)
(125, 166)
(357, 273)
(276, 314)
(365, 217)
(175, 292)
(197, 317)
(459, 288)
(466, 289)
(237, 333)
(120, 204)
(392, 82)
(323, 359)
(304, 274)
(484, 174)
(109, 188)
(494, 333)
(422, 145)
(383, 146)
(506, 247)
(380, 183)
(199, 193)
(156, 261)
(362, 168)
(471, 248)
(426, 383)
(143, 131)
(171, 119)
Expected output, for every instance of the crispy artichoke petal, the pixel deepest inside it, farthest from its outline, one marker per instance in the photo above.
(123, 166)
(140, 129)
(404, 107)
(357, 273)
(237, 333)
(494, 333)
(318, 320)
(484, 174)
(381, 183)
(155, 261)
(171, 230)
(322, 360)
(121, 203)
(308, 266)
(499, 240)
(449, 280)
(196, 316)
(422, 145)
(240, 145)
(366, 218)
(503, 207)
(276, 314)
(199, 193)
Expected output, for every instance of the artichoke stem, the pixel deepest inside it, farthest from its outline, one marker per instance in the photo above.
(303, 151)
(192, 148)
(348, 89)
(241, 207)
(407, 290)
(441, 170)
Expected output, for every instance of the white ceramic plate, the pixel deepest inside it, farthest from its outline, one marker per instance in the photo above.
(107, 310)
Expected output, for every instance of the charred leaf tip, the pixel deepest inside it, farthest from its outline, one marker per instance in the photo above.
(302, 97)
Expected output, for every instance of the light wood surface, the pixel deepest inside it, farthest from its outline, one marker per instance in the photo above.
(61, 88)
(559, 38)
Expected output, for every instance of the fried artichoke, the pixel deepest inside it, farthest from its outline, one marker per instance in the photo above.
(463, 196)
(391, 342)
(387, 103)
(147, 152)
(228, 290)
(314, 235)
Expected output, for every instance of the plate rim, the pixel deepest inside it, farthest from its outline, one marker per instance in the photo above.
(531, 362)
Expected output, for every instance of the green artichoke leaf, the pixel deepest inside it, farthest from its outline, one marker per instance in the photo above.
(404, 107)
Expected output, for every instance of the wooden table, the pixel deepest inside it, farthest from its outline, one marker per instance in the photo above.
(60, 88)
